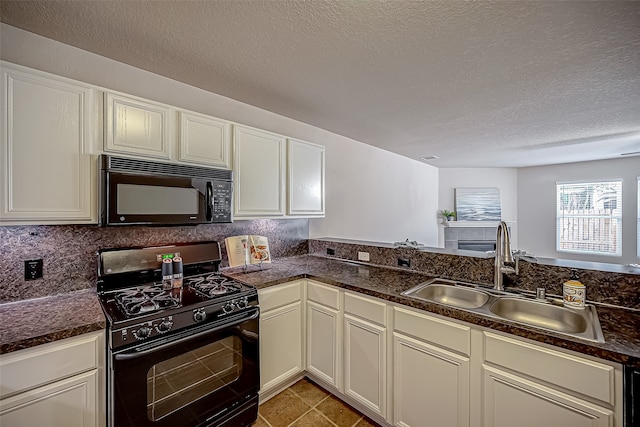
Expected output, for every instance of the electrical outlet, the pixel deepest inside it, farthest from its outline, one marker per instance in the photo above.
(363, 256)
(331, 251)
(404, 262)
(33, 269)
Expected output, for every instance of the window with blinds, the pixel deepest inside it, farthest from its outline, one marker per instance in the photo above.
(589, 217)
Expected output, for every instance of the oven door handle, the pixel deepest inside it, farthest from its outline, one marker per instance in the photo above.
(135, 353)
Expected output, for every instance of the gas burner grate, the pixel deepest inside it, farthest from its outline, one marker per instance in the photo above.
(213, 285)
(145, 300)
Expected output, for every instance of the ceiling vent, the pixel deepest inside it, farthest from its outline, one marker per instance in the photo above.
(429, 158)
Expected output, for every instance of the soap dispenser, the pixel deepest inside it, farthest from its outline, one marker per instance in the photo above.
(573, 292)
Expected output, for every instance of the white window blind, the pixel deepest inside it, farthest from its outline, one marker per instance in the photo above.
(638, 227)
(589, 217)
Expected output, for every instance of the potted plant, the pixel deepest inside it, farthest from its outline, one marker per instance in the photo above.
(449, 215)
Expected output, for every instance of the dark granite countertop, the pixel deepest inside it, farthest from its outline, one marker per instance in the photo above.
(619, 326)
(32, 322)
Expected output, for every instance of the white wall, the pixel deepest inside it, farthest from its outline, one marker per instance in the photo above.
(366, 188)
(537, 205)
(506, 179)
(390, 197)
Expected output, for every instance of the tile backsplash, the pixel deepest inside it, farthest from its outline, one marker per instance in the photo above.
(69, 251)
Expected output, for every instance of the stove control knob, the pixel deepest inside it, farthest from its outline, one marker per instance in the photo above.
(164, 326)
(143, 332)
(199, 314)
(242, 303)
(228, 307)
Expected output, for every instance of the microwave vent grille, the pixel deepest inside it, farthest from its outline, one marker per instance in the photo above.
(127, 165)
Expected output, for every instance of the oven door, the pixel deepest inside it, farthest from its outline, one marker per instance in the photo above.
(156, 200)
(191, 379)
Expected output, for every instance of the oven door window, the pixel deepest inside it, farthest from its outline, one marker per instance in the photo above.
(175, 383)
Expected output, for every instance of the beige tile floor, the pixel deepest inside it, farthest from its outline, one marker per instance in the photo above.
(304, 404)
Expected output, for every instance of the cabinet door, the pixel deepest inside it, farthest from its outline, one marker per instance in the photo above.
(323, 343)
(365, 363)
(259, 166)
(430, 385)
(509, 400)
(280, 345)
(205, 140)
(135, 126)
(46, 164)
(305, 179)
(71, 403)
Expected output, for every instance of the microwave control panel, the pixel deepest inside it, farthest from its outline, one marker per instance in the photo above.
(222, 201)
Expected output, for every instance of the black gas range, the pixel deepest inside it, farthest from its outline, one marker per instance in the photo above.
(181, 352)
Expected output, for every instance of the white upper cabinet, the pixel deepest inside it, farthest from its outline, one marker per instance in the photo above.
(204, 140)
(45, 161)
(262, 162)
(259, 166)
(135, 126)
(305, 178)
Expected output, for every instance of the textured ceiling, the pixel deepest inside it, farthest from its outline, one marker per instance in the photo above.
(494, 84)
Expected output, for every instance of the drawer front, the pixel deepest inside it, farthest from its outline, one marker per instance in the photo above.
(32, 367)
(432, 329)
(324, 295)
(280, 295)
(366, 308)
(570, 372)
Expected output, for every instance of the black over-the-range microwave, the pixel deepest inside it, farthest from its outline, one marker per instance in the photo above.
(142, 192)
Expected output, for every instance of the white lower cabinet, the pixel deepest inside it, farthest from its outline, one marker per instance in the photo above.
(324, 339)
(365, 352)
(430, 382)
(71, 403)
(54, 384)
(409, 368)
(531, 385)
(323, 345)
(281, 334)
(510, 400)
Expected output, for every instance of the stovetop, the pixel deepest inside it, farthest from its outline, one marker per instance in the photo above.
(138, 307)
(152, 300)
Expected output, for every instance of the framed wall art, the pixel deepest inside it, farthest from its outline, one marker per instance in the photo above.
(478, 204)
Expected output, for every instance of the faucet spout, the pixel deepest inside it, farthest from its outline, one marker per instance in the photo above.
(503, 255)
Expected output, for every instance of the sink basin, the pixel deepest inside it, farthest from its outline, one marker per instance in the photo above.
(541, 315)
(449, 294)
(577, 323)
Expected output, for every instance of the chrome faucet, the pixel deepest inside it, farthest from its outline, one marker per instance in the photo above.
(503, 255)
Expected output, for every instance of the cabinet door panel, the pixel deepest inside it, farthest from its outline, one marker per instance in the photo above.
(306, 179)
(259, 166)
(45, 150)
(365, 363)
(205, 140)
(133, 126)
(510, 401)
(431, 385)
(322, 343)
(280, 345)
(70, 403)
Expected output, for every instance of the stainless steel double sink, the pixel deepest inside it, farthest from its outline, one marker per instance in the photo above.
(547, 315)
